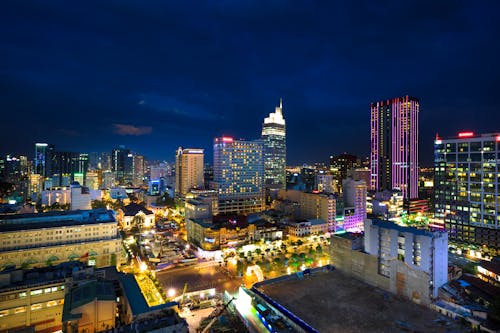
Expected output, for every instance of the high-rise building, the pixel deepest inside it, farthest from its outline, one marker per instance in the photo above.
(274, 149)
(44, 153)
(119, 159)
(354, 194)
(394, 145)
(188, 170)
(466, 176)
(138, 169)
(339, 166)
(238, 175)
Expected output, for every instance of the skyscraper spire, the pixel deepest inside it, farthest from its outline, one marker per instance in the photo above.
(281, 103)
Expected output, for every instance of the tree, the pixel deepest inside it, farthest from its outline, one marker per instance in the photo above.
(300, 242)
(95, 204)
(258, 251)
(319, 249)
(166, 200)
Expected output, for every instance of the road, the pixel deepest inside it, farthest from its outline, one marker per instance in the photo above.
(198, 279)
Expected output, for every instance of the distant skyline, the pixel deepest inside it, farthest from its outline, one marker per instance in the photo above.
(154, 76)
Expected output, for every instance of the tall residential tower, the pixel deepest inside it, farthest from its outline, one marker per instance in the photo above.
(394, 145)
(274, 150)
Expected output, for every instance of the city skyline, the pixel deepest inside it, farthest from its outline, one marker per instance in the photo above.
(86, 87)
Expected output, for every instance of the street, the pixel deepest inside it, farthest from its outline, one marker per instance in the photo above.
(198, 279)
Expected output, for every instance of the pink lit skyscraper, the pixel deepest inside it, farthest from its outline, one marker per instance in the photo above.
(394, 145)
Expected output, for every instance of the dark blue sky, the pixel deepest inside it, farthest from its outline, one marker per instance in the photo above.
(90, 75)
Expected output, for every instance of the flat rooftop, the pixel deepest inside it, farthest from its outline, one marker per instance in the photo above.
(15, 222)
(334, 302)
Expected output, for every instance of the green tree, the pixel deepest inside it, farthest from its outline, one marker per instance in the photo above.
(95, 204)
(319, 249)
(166, 200)
(300, 242)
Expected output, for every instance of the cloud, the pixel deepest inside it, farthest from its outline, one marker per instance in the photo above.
(123, 129)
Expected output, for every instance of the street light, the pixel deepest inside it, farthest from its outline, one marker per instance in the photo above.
(171, 292)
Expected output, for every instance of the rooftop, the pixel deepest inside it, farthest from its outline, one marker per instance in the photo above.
(138, 304)
(134, 208)
(416, 231)
(54, 219)
(333, 302)
(86, 293)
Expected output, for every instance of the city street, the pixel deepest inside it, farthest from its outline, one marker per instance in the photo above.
(198, 279)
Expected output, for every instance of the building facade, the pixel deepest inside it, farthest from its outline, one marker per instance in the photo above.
(274, 149)
(354, 197)
(466, 176)
(418, 249)
(313, 206)
(43, 239)
(188, 170)
(238, 175)
(394, 145)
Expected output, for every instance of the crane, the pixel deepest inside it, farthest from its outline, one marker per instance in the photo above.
(216, 315)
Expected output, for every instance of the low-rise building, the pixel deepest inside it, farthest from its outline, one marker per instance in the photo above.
(130, 215)
(35, 298)
(43, 239)
(90, 307)
(313, 205)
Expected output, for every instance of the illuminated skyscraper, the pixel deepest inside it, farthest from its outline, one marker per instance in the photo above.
(274, 149)
(188, 170)
(466, 175)
(44, 154)
(238, 175)
(119, 158)
(394, 145)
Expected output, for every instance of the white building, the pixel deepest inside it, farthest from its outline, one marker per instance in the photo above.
(355, 198)
(420, 250)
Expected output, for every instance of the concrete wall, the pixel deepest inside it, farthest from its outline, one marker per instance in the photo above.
(359, 265)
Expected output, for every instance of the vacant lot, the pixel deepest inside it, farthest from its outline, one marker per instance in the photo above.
(334, 302)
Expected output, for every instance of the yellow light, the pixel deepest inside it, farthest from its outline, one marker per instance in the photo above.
(143, 267)
(171, 292)
(288, 271)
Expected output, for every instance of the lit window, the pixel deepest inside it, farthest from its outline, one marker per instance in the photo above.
(36, 292)
(36, 306)
(20, 309)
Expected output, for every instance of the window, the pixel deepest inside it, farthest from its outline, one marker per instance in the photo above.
(36, 292)
(20, 309)
(36, 306)
(51, 303)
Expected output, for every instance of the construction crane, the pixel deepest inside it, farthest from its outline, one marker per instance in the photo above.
(216, 315)
(183, 296)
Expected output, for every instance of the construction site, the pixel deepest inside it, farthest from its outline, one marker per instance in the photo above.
(331, 301)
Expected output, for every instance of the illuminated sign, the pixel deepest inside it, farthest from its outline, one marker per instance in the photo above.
(227, 139)
(195, 151)
(209, 240)
(498, 137)
(465, 134)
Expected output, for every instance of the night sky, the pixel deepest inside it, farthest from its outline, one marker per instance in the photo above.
(88, 76)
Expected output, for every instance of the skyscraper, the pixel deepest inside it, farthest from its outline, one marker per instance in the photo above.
(119, 165)
(238, 175)
(188, 170)
(44, 154)
(394, 145)
(466, 187)
(274, 149)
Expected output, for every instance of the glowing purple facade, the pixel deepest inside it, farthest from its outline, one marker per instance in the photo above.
(394, 145)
